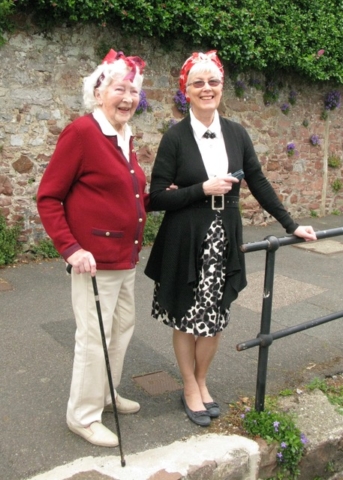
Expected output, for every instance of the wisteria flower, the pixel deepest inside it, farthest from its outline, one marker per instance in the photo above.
(271, 93)
(292, 97)
(332, 100)
(240, 88)
(143, 105)
(167, 124)
(285, 108)
(172, 122)
(314, 140)
(256, 83)
(181, 103)
(290, 149)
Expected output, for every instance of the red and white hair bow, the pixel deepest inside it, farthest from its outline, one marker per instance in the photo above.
(134, 63)
(195, 58)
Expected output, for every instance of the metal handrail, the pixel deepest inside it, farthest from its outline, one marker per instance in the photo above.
(265, 338)
(288, 240)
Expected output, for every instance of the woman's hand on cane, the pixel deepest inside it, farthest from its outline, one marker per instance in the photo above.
(82, 262)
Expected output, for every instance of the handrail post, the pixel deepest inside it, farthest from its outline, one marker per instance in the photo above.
(265, 323)
(265, 338)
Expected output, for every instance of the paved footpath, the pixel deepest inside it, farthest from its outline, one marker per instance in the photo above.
(37, 339)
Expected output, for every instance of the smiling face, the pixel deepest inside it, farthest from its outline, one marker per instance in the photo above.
(204, 97)
(118, 101)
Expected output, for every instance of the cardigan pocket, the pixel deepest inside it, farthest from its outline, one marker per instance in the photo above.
(107, 233)
(107, 245)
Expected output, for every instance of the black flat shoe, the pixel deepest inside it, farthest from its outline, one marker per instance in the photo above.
(213, 409)
(201, 417)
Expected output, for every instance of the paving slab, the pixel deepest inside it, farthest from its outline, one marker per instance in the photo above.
(325, 247)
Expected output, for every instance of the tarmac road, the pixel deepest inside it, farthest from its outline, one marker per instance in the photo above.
(37, 341)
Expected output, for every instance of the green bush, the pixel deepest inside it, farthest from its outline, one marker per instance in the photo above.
(337, 185)
(6, 8)
(9, 241)
(153, 222)
(45, 249)
(265, 35)
(278, 427)
(334, 161)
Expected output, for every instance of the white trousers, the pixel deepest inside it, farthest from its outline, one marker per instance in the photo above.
(89, 391)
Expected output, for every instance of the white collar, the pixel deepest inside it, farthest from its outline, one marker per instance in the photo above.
(107, 129)
(199, 128)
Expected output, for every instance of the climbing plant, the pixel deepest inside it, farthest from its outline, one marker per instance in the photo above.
(297, 36)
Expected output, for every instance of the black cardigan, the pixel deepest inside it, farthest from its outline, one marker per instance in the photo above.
(173, 261)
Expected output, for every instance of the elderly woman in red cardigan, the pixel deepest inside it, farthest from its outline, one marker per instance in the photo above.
(195, 261)
(92, 204)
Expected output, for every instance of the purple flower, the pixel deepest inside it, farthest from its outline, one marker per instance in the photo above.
(143, 104)
(285, 108)
(332, 100)
(255, 82)
(283, 445)
(276, 426)
(172, 122)
(292, 97)
(242, 415)
(271, 93)
(240, 88)
(166, 124)
(240, 84)
(279, 455)
(291, 148)
(314, 140)
(303, 439)
(181, 103)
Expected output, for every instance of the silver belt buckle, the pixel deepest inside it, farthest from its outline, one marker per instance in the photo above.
(214, 202)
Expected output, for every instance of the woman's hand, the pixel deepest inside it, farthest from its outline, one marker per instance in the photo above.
(82, 262)
(172, 187)
(306, 232)
(219, 185)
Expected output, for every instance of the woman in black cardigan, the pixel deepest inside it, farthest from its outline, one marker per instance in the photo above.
(195, 262)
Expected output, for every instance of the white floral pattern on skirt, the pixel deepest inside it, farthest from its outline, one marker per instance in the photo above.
(204, 317)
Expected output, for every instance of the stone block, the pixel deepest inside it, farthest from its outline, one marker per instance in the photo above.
(5, 186)
(23, 164)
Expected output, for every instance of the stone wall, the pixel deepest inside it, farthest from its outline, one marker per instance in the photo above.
(40, 93)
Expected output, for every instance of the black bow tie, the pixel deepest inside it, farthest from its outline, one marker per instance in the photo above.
(209, 134)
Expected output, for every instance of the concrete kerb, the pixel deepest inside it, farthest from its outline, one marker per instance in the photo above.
(209, 456)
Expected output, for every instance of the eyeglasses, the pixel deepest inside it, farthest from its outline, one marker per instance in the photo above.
(201, 83)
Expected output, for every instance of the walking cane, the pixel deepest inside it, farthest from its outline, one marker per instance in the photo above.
(108, 367)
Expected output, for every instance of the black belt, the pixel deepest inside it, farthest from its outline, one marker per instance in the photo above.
(217, 202)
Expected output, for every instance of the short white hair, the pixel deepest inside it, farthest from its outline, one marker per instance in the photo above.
(204, 67)
(109, 72)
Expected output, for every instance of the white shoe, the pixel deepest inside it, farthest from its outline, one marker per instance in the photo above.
(124, 406)
(97, 434)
